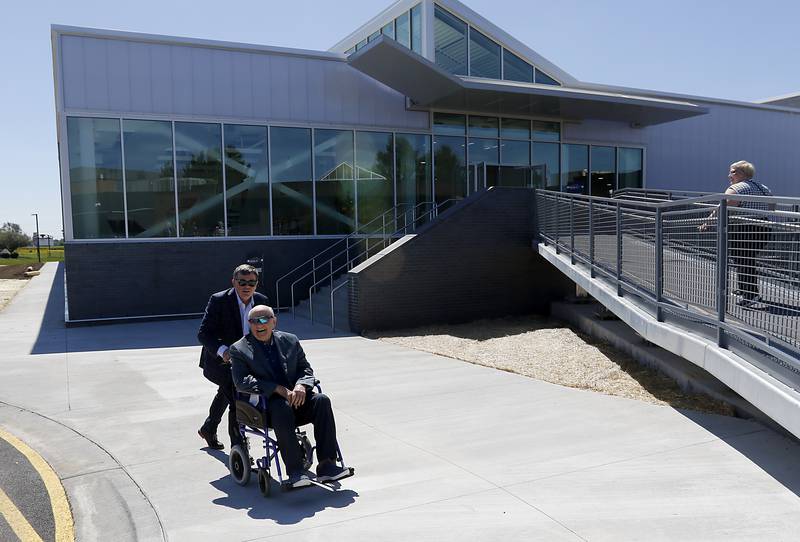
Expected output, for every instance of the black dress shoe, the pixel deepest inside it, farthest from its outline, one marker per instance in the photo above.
(210, 439)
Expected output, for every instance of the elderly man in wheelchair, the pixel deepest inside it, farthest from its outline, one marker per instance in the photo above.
(272, 366)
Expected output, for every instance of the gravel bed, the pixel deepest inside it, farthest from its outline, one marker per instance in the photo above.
(549, 350)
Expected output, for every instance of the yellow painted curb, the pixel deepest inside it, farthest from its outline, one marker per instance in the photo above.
(62, 515)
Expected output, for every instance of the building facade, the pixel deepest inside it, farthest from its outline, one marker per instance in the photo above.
(180, 158)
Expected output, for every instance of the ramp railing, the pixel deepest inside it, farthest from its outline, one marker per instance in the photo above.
(725, 266)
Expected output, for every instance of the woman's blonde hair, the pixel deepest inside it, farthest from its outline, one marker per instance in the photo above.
(745, 167)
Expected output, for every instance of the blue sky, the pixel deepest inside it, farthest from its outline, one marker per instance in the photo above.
(737, 49)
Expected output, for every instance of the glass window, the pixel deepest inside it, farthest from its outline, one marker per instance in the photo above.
(403, 30)
(516, 69)
(246, 179)
(484, 150)
(374, 175)
(360, 44)
(388, 29)
(631, 168)
(546, 131)
(95, 178)
(292, 186)
(515, 128)
(416, 29)
(198, 157)
(450, 173)
(373, 36)
(516, 153)
(333, 166)
(604, 170)
(544, 79)
(413, 169)
(576, 169)
(449, 123)
(450, 40)
(351, 50)
(483, 126)
(545, 164)
(484, 56)
(149, 178)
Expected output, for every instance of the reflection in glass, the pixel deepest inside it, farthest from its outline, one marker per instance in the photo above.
(576, 169)
(515, 128)
(450, 40)
(413, 169)
(246, 179)
(631, 170)
(516, 69)
(449, 123)
(292, 186)
(388, 30)
(149, 179)
(544, 79)
(95, 178)
(375, 35)
(514, 153)
(603, 171)
(199, 162)
(484, 56)
(403, 30)
(546, 131)
(545, 165)
(360, 44)
(483, 150)
(450, 171)
(482, 126)
(374, 174)
(416, 28)
(333, 166)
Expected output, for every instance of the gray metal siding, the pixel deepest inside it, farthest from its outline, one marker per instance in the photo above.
(694, 154)
(118, 75)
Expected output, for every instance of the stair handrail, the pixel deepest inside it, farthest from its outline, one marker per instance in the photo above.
(344, 239)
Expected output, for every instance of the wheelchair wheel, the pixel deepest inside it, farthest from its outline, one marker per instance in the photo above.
(239, 465)
(306, 450)
(264, 482)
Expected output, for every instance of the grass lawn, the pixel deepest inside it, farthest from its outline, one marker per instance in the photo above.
(27, 256)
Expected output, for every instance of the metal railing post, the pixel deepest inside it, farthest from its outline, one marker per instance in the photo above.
(311, 304)
(722, 269)
(558, 224)
(619, 249)
(572, 231)
(292, 290)
(591, 238)
(659, 266)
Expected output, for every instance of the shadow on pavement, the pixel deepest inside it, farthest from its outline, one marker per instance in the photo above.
(55, 338)
(774, 453)
(286, 508)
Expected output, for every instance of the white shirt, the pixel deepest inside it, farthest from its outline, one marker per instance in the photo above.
(244, 310)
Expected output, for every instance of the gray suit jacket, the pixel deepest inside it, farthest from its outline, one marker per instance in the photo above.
(252, 372)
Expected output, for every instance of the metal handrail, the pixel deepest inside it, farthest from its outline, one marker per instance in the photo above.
(430, 215)
(686, 270)
(344, 239)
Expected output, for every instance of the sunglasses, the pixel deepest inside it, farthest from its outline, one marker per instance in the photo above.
(260, 319)
(243, 282)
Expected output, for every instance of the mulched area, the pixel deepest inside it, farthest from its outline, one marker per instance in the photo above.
(548, 350)
(12, 271)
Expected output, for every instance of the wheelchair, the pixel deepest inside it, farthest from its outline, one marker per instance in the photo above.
(254, 420)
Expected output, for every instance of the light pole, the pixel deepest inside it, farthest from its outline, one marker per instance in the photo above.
(38, 254)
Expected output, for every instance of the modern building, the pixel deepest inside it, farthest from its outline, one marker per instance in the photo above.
(182, 157)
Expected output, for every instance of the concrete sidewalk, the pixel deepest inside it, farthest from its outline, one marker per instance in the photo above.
(444, 450)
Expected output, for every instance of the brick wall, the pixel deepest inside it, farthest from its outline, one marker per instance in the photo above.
(126, 279)
(476, 262)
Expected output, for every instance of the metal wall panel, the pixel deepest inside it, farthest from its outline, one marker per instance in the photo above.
(694, 154)
(116, 74)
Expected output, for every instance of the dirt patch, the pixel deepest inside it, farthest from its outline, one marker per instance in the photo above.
(12, 271)
(548, 350)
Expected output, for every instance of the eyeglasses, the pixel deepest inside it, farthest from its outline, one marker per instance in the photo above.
(243, 282)
(260, 319)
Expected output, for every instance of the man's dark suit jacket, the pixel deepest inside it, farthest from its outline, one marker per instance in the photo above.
(252, 372)
(221, 324)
